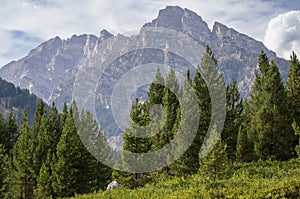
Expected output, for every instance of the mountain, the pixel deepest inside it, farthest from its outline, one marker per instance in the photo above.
(50, 70)
(15, 100)
(237, 53)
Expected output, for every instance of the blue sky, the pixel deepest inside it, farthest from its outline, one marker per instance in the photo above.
(26, 23)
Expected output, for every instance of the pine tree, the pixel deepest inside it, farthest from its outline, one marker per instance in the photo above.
(297, 132)
(201, 90)
(187, 116)
(10, 183)
(12, 130)
(214, 165)
(2, 169)
(244, 148)
(8, 133)
(63, 117)
(66, 169)
(156, 90)
(44, 180)
(4, 137)
(75, 170)
(270, 127)
(233, 119)
(135, 144)
(93, 175)
(207, 76)
(171, 106)
(53, 128)
(293, 91)
(43, 142)
(24, 169)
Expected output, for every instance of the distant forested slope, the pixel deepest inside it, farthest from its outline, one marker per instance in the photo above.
(16, 100)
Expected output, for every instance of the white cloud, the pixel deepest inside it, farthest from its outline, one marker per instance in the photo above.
(283, 34)
(45, 19)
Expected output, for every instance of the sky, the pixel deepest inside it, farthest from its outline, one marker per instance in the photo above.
(24, 24)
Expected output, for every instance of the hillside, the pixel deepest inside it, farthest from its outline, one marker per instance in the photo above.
(16, 100)
(251, 180)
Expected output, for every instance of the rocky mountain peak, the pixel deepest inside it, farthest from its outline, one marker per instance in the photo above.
(49, 71)
(104, 34)
(182, 20)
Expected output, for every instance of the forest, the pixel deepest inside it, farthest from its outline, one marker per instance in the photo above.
(15, 100)
(255, 155)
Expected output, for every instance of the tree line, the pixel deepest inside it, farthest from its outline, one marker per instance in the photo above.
(14, 99)
(48, 160)
(263, 127)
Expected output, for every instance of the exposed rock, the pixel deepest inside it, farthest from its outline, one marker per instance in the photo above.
(49, 71)
(113, 185)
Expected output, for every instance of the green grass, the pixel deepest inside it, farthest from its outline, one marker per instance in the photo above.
(263, 179)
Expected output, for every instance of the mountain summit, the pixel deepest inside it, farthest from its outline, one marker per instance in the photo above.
(49, 71)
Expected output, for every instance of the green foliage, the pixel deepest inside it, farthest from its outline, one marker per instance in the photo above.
(2, 168)
(270, 126)
(44, 187)
(297, 132)
(16, 100)
(233, 119)
(48, 161)
(66, 173)
(244, 148)
(75, 169)
(24, 168)
(263, 179)
(134, 144)
(293, 88)
(214, 164)
(12, 133)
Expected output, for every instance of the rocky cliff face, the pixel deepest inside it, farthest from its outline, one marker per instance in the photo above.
(49, 71)
(237, 53)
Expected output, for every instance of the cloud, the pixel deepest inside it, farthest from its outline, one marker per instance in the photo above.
(45, 19)
(283, 34)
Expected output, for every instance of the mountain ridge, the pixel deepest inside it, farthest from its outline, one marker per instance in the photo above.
(49, 70)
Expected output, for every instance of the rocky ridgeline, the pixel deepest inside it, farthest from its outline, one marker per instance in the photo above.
(49, 71)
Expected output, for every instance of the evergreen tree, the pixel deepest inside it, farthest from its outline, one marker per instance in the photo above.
(214, 165)
(207, 76)
(169, 116)
(10, 180)
(270, 128)
(233, 119)
(293, 91)
(187, 116)
(93, 175)
(171, 104)
(12, 131)
(244, 148)
(44, 180)
(75, 170)
(156, 90)
(4, 137)
(2, 169)
(24, 169)
(297, 132)
(63, 117)
(42, 143)
(53, 128)
(135, 144)
(201, 90)
(68, 152)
